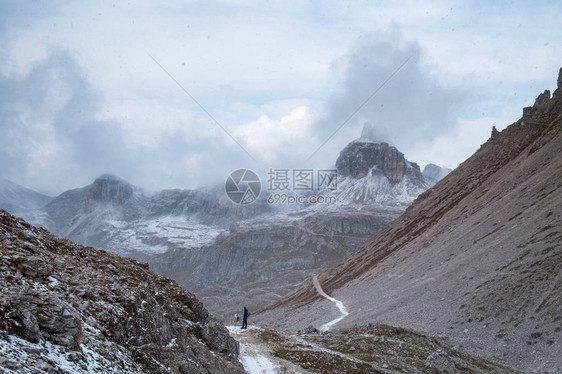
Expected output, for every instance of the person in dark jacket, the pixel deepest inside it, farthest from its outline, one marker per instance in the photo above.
(245, 318)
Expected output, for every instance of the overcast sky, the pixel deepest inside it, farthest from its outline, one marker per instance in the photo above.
(88, 88)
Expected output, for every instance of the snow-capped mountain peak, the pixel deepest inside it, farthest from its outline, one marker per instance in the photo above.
(377, 173)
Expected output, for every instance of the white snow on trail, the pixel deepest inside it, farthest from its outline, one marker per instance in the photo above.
(254, 357)
(339, 304)
(255, 363)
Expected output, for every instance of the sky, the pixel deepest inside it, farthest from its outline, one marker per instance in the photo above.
(178, 94)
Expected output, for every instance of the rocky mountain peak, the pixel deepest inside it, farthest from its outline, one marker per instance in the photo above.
(558, 92)
(545, 106)
(110, 189)
(362, 157)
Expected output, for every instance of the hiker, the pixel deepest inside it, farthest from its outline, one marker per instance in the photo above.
(245, 318)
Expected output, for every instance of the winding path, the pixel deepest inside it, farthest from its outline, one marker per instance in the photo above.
(339, 304)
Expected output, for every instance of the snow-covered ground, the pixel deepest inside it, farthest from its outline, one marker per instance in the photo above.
(162, 233)
(254, 362)
(254, 356)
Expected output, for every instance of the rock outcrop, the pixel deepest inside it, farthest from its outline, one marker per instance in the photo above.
(546, 108)
(558, 92)
(361, 158)
(67, 306)
(376, 174)
(110, 189)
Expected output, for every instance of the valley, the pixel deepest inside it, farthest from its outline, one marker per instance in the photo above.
(404, 273)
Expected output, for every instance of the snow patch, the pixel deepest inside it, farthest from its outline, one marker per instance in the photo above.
(53, 282)
(256, 364)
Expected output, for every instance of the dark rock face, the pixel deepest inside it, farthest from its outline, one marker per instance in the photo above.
(542, 100)
(557, 94)
(495, 133)
(357, 159)
(93, 310)
(44, 315)
(110, 189)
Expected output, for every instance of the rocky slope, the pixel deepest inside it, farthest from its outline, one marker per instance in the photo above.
(69, 308)
(476, 258)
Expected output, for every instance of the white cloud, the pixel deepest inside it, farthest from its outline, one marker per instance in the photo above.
(146, 123)
(278, 142)
(385, 82)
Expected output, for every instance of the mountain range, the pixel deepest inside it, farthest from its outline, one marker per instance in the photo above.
(229, 254)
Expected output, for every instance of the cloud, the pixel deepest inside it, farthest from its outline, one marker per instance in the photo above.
(278, 142)
(58, 133)
(49, 135)
(79, 95)
(410, 105)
